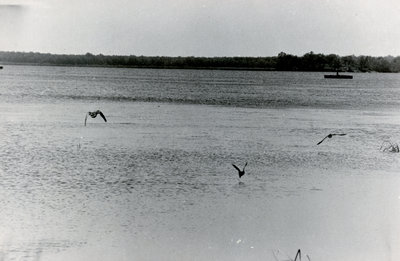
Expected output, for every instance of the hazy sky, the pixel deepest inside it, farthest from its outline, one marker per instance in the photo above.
(201, 27)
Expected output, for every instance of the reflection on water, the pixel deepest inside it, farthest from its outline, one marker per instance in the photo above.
(156, 182)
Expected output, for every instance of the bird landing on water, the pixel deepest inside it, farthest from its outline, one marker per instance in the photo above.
(94, 115)
(241, 172)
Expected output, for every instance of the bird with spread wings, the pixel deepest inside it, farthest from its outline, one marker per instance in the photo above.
(241, 172)
(330, 136)
(94, 115)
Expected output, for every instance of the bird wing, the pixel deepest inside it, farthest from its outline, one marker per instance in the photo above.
(322, 140)
(339, 134)
(86, 118)
(244, 166)
(236, 167)
(102, 115)
(298, 254)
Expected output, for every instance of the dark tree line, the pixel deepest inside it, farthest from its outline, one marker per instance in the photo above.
(333, 62)
(260, 63)
(283, 62)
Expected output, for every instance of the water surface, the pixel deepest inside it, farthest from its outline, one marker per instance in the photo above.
(156, 182)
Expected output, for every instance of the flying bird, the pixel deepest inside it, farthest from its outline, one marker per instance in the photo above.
(94, 115)
(330, 136)
(241, 172)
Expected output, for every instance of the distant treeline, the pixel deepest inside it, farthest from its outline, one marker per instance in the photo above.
(283, 62)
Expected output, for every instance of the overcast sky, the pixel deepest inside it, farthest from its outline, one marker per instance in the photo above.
(201, 27)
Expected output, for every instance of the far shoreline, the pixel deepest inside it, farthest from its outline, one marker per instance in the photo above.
(309, 62)
(4, 65)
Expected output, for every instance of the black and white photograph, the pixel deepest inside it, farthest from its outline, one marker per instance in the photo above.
(199, 130)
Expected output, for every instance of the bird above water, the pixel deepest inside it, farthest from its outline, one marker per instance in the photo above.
(330, 136)
(94, 115)
(241, 172)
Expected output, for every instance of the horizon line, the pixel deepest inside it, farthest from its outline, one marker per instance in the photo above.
(200, 56)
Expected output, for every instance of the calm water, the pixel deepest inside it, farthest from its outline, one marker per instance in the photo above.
(156, 182)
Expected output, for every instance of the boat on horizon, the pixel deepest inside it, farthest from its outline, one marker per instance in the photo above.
(337, 76)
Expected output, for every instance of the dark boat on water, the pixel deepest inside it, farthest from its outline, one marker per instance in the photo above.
(337, 76)
(1, 67)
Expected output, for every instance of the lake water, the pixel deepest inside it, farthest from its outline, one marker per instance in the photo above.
(156, 182)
